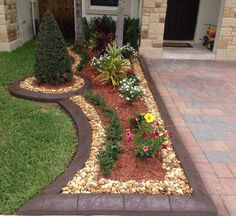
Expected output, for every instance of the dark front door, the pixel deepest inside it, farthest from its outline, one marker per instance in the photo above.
(181, 19)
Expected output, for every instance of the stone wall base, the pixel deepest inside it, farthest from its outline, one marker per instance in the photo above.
(226, 54)
(8, 47)
(150, 52)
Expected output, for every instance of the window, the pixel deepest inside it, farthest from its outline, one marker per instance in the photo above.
(111, 3)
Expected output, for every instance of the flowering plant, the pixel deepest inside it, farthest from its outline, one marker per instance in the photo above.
(149, 137)
(131, 74)
(129, 52)
(129, 90)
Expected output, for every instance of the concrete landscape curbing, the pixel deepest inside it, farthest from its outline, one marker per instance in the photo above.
(51, 201)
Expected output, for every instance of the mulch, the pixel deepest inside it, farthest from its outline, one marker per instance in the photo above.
(128, 166)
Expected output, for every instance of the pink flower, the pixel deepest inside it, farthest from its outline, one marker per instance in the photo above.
(129, 136)
(144, 135)
(145, 148)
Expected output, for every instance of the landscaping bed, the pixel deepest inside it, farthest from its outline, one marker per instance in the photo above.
(126, 198)
(160, 174)
(126, 161)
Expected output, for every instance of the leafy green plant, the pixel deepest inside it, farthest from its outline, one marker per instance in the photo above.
(101, 30)
(84, 58)
(112, 66)
(114, 135)
(108, 157)
(52, 63)
(132, 32)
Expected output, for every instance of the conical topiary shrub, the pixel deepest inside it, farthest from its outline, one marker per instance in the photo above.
(52, 63)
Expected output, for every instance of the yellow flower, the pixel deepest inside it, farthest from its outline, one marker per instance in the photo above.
(149, 118)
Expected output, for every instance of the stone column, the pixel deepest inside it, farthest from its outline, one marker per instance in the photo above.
(226, 47)
(153, 22)
(8, 25)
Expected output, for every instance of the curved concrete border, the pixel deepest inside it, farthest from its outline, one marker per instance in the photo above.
(17, 91)
(51, 202)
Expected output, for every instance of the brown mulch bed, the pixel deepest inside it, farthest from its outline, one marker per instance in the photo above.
(128, 166)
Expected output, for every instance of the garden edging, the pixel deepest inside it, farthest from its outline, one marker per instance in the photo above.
(50, 201)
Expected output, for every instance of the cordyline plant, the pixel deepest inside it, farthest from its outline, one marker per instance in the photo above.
(52, 64)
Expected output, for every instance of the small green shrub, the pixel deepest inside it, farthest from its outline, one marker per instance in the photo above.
(108, 157)
(112, 66)
(52, 64)
(132, 32)
(114, 135)
(84, 58)
(99, 31)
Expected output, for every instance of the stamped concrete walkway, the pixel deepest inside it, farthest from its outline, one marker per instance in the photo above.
(201, 99)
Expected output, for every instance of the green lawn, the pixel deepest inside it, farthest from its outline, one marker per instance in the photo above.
(37, 141)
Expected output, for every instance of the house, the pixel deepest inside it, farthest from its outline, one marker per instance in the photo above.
(161, 21)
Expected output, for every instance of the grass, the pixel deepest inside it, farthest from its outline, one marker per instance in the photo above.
(37, 141)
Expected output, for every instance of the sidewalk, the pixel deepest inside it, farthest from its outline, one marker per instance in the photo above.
(201, 99)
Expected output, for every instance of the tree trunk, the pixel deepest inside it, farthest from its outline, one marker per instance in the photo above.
(79, 34)
(120, 22)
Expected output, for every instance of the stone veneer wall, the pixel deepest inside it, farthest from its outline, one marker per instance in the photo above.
(226, 49)
(8, 21)
(153, 22)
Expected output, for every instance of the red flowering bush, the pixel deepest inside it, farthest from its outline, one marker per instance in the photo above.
(149, 137)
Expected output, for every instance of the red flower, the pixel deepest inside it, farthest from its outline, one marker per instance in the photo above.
(144, 135)
(164, 146)
(145, 148)
(154, 134)
(130, 71)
